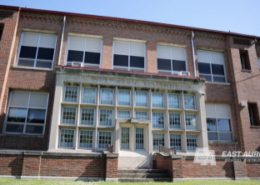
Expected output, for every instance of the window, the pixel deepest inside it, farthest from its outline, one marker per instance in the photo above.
(211, 65)
(158, 140)
(69, 115)
(87, 116)
(129, 55)
(84, 50)
(191, 142)
(105, 117)
(157, 99)
(191, 120)
(141, 98)
(124, 114)
(124, 97)
(37, 50)
(1, 30)
(140, 115)
(89, 95)
(174, 101)
(71, 93)
(175, 141)
(125, 138)
(86, 139)
(158, 120)
(189, 101)
(174, 120)
(26, 112)
(66, 138)
(171, 58)
(258, 62)
(139, 138)
(218, 122)
(104, 139)
(244, 58)
(253, 114)
(107, 96)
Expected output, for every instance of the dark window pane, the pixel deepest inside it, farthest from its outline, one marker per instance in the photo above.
(211, 124)
(179, 65)
(225, 136)
(219, 79)
(204, 68)
(14, 128)
(1, 30)
(45, 53)
(36, 116)
(164, 64)
(136, 61)
(224, 125)
(31, 129)
(28, 52)
(44, 64)
(218, 69)
(75, 56)
(207, 77)
(92, 58)
(24, 62)
(121, 60)
(16, 115)
(213, 136)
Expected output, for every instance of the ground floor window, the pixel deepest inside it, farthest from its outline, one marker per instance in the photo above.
(175, 141)
(191, 142)
(158, 140)
(104, 139)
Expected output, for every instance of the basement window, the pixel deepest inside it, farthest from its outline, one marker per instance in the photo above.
(244, 58)
(253, 114)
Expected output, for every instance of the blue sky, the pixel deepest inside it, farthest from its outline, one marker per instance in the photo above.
(242, 16)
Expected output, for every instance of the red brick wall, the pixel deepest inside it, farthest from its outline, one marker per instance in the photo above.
(253, 169)
(111, 166)
(11, 164)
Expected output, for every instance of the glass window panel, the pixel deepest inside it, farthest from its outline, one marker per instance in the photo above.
(30, 38)
(71, 93)
(123, 97)
(87, 116)
(206, 77)
(32, 129)
(157, 100)
(141, 115)
(66, 138)
(191, 120)
(179, 65)
(19, 99)
(213, 136)
(45, 53)
(189, 101)
(47, 40)
(164, 64)
(158, 140)
(121, 60)
(204, 68)
(104, 139)
(106, 117)
(175, 120)
(141, 98)
(137, 62)
(44, 64)
(15, 128)
(175, 141)
(38, 100)
(139, 138)
(89, 95)
(27, 63)
(86, 139)
(75, 56)
(174, 100)
(17, 115)
(219, 79)
(28, 52)
(211, 124)
(158, 120)
(69, 115)
(218, 69)
(125, 138)
(124, 114)
(223, 125)
(107, 96)
(36, 116)
(92, 58)
(191, 142)
(225, 136)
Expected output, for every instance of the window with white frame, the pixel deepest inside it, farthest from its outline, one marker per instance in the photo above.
(219, 122)
(191, 120)
(129, 55)
(104, 139)
(107, 96)
(106, 117)
(139, 138)
(175, 141)
(124, 97)
(189, 101)
(86, 138)
(141, 98)
(157, 99)
(141, 115)
(158, 140)
(84, 50)
(174, 101)
(174, 120)
(124, 114)
(158, 120)
(191, 142)
(125, 137)
(37, 50)
(89, 95)
(87, 116)
(211, 65)
(66, 138)
(26, 112)
(69, 115)
(171, 58)
(71, 93)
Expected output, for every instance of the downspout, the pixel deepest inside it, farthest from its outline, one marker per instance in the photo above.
(9, 60)
(62, 37)
(193, 54)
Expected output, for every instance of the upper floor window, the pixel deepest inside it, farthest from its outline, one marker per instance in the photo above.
(129, 55)
(84, 50)
(244, 59)
(253, 114)
(27, 112)
(37, 50)
(211, 65)
(171, 59)
(189, 101)
(1, 30)
(124, 97)
(141, 98)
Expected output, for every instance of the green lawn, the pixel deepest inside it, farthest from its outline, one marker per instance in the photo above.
(8, 181)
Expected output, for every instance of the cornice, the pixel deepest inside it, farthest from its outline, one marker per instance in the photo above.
(210, 36)
(41, 17)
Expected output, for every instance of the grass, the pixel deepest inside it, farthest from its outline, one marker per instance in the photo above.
(9, 181)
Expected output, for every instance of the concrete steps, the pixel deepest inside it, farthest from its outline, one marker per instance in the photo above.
(143, 175)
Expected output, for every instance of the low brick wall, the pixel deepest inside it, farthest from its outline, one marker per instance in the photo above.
(45, 164)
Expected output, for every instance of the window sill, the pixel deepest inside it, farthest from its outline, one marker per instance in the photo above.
(21, 135)
(32, 68)
(246, 70)
(222, 142)
(217, 83)
(255, 126)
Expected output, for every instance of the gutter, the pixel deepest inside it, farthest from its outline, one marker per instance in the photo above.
(193, 54)
(62, 38)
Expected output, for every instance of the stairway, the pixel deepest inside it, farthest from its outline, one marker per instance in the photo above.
(143, 175)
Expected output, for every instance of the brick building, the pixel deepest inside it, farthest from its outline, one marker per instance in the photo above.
(74, 86)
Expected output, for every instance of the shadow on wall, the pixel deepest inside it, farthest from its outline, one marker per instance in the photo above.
(228, 168)
(15, 166)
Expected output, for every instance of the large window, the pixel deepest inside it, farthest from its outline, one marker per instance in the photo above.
(141, 98)
(174, 101)
(158, 140)
(175, 141)
(141, 115)
(107, 96)
(139, 138)
(191, 142)
(104, 139)
(244, 59)
(129, 55)
(1, 30)
(124, 114)
(189, 101)
(26, 112)
(157, 99)
(174, 120)
(124, 97)
(71, 93)
(66, 138)
(84, 50)
(158, 120)
(125, 136)
(218, 122)
(253, 114)
(89, 95)
(86, 139)
(37, 50)
(171, 58)
(191, 121)
(212, 65)
(106, 117)
(87, 116)
(69, 115)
